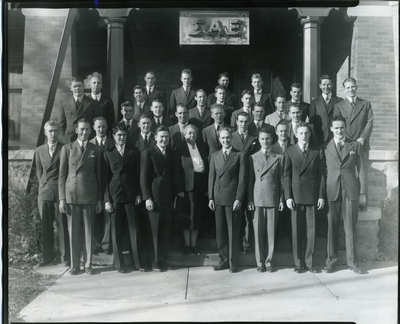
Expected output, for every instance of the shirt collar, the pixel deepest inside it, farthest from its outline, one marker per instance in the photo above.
(329, 95)
(227, 150)
(78, 98)
(52, 145)
(150, 88)
(100, 139)
(128, 121)
(244, 133)
(351, 99)
(161, 149)
(120, 147)
(80, 142)
(301, 146)
(337, 140)
(143, 135)
(269, 151)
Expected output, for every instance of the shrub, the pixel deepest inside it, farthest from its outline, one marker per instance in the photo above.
(24, 225)
(388, 228)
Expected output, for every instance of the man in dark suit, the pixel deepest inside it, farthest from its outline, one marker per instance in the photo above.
(210, 134)
(156, 182)
(247, 96)
(260, 97)
(140, 106)
(247, 143)
(321, 110)
(265, 196)
(343, 161)
(80, 191)
(304, 187)
(226, 191)
(230, 98)
(296, 92)
(47, 161)
(258, 123)
(220, 98)
(144, 138)
(359, 124)
(295, 113)
(106, 105)
(152, 92)
(157, 118)
(129, 123)
(102, 222)
(183, 95)
(122, 194)
(76, 107)
(176, 131)
(200, 116)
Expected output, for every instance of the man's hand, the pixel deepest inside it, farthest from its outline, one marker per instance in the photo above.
(149, 204)
(361, 140)
(211, 204)
(320, 204)
(99, 207)
(236, 205)
(108, 207)
(281, 206)
(290, 203)
(181, 194)
(250, 205)
(63, 206)
(138, 200)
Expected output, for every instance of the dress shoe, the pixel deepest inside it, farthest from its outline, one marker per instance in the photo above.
(144, 269)
(195, 250)
(122, 270)
(233, 270)
(298, 269)
(74, 271)
(261, 269)
(43, 263)
(221, 266)
(270, 269)
(66, 263)
(312, 270)
(356, 269)
(186, 250)
(328, 269)
(160, 269)
(89, 271)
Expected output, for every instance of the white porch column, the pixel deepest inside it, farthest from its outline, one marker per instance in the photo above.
(115, 52)
(311, 19)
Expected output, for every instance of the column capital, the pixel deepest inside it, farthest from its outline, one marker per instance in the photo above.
(114, 13)
(316, 20)
(313, 12)
(114, 22)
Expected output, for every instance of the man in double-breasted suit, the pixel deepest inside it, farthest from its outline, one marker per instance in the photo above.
(296, 92)
(156, 182)
(230, 98)
(129, 123)
(152, 92)
(80, 191)
(183, 95)
(359, 124)
(343, 161)
(47, 161)
(76, 107)
(102, 222)
(140, 105)
(304, 187)
(157, 115)
(296, 114)
(122, 193)
(176, 131)
(200, 116)
(210, 134)
(106, 105)
(321, 110)
(265, 196)
(260, 97)
(227, 183)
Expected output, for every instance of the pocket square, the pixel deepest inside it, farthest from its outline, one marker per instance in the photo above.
(352, 152)
(92, 156)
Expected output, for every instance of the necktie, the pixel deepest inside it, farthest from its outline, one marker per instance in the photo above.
(82, 147)
(149, 92)
(340, 145)
(128, 125)
(283, 147)
(353, 103)
(242, 137)
(225, 155)
(145, 140)
(97, 98)
(266, 155)
(102, 145)
(77, 104)
(280, 115)
(187, 91)
(259, 126)
(327, 99)
(52, 149)
(304, 149)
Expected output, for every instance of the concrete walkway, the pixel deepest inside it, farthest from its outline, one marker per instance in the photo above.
(200, 294)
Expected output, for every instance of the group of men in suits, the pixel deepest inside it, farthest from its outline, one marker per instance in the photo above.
(256, 150)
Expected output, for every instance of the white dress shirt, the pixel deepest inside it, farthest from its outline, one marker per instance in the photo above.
(198, 164)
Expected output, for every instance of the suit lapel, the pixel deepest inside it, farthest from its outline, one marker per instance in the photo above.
(346, 149)
(331, 147)
(206, 115)
(307, 159)
(56, 154)
(231, 158)
(88, 152)
(126, 157)
(45, 155)
(82, 108)
(356, 110)
(269, 163)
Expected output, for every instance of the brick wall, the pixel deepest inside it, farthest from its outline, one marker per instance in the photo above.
(41, 45)
(372, 65)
